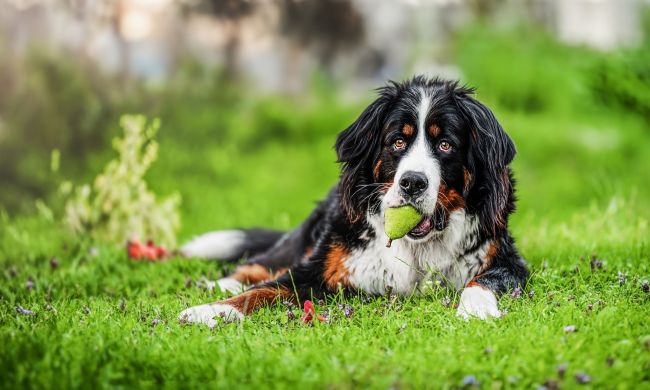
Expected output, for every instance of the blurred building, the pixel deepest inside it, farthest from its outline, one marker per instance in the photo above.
(280, 43)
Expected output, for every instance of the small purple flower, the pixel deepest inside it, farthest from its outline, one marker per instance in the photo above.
(29, 284)
(595, 264)
(155, 321)
(570, 329)
(582, 378)
(23, 311)
(516, 293)
(54, 263)
(348, 311)
(531, 294)
(621, 278)
(470, 380)
(590, 307)
(291, 315)
(645, 287)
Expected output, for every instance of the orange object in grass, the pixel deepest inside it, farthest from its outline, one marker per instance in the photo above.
(309, 313)
(139, 251)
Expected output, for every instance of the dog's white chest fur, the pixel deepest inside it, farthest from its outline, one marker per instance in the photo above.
(406, 264)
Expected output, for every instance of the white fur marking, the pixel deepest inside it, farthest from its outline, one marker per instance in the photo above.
(231, 285)
(406, 264)
(478, 302)
(215, 245)
(206, 314)
(418, 158)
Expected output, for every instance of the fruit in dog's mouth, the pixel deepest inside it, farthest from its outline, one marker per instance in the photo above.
(399, 221)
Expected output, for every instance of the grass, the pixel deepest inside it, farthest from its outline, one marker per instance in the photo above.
(98, 319)
(101, 320)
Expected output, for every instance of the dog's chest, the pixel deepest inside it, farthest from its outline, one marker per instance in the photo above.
(406, 265)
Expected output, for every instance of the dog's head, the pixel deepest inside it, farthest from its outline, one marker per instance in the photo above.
(431, 144)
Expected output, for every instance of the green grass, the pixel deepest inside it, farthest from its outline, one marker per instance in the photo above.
(101, 320)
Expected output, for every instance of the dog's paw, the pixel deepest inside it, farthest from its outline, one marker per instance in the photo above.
(208, 314)
(478, 302)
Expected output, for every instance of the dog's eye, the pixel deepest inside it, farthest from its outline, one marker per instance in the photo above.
(399, 144)
(444, 146)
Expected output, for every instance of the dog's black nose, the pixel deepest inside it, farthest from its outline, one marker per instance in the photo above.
(413, 183)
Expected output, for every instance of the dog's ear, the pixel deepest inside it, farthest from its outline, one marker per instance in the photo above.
(490, 188)
(357, 148)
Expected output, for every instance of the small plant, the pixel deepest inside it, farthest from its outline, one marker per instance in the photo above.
(119, 205)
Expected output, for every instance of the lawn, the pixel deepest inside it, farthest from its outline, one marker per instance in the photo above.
(80, 314)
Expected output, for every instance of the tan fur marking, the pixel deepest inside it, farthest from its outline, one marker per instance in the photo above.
(375, 171)
(467, 179)
(489, 255)
(251, 274)
(256, 273)
(335, 270)
(434, 130)
(408, 130)
(450, 199)
(252, 300)
(474, 283)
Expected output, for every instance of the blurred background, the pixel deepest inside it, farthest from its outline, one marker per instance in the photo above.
(251, 94)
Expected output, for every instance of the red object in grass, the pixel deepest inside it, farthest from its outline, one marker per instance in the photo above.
(309, 313)
(139, 251)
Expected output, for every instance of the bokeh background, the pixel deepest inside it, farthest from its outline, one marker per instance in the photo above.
(251, 95)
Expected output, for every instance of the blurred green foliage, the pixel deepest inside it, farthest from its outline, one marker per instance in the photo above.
(52, 101)
(60, 101)
(119, 206)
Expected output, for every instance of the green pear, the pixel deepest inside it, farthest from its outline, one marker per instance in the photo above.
(398, 221)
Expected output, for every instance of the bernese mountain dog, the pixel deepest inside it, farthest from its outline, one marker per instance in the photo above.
(424, 142)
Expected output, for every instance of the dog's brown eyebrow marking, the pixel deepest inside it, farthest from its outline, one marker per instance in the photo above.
(408, 130)
(434, 130)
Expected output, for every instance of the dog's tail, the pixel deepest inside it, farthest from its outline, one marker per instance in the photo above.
(231, 245)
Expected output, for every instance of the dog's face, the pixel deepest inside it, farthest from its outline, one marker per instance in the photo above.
(430, 144)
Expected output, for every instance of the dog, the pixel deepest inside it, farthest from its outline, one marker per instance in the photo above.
(424, 142)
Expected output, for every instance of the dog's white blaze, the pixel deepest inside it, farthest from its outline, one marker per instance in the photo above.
(221, 244)
(209, 313)
(419, 158)
(406, 264)
(478, 302)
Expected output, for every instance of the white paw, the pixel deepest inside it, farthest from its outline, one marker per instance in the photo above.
(478, 302)
(206, 314)
(230, 285)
